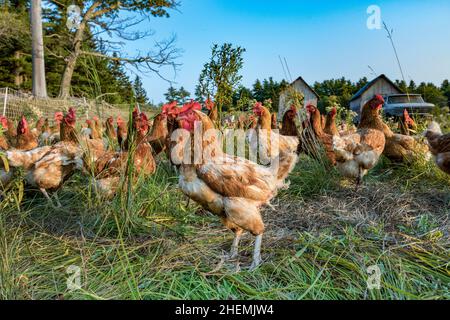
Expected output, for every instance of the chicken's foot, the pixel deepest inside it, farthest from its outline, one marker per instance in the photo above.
(256, 253)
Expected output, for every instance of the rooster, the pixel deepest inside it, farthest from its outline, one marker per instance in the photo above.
(246, 122)
(110, 132)
(439, 146)
(358, 153)
(92, 144)
(163, 126)
(274, 122)
(213, 113)
(25, 140)
(38, 129)
(230, 187)
(406, 124)
(4, 141)
(94, 132)
(112, 166)
(286, 155)
(98, 127)
(399, 148)
(48, 167)
(330, 123)
(313, 137)
(10, 133)
(122, 132)
(159, 134)
(288, 126)
(51, 135)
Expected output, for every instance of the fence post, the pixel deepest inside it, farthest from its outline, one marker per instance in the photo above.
(5, 101)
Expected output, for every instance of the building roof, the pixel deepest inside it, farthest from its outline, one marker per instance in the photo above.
(371, 83)
(307, 85)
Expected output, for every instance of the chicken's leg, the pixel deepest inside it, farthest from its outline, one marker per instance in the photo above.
(358, 181)
(44, 192)
(256, 253)
(235, 246)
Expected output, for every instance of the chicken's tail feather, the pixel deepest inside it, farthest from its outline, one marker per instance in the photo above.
(18, 158)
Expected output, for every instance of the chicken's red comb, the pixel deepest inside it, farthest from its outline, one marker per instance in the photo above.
(4, 122)
(190, 106)
(170, 108)
(70, 117)
(333, 112)
(310, 108)
(22, 126)
(24, 122)
(143, 116)
(257, 108)
(379, 97)
(258, 105)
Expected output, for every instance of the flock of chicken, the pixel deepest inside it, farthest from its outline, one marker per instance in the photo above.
(231, 187)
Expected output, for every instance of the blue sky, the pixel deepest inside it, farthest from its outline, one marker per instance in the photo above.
(320, 39)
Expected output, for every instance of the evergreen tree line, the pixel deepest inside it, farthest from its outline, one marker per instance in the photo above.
(94, 77)
(343, 89)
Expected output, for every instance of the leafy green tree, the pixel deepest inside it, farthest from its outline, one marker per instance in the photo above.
(220, 77)
(242, 98)
(269, 89)
(93, 77)
(342, 88)
(15, 45)
(361, 83)
(412, 87)
(432, 94)
(402, 85)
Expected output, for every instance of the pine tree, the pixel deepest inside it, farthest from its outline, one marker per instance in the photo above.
(179, 95)
(15, 45)
(141, 94)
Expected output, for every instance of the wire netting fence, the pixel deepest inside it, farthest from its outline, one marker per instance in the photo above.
(14, 104)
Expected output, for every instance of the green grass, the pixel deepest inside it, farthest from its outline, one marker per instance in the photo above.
(156, 246)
